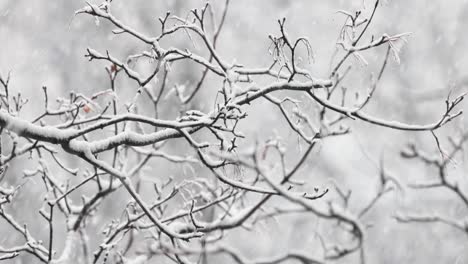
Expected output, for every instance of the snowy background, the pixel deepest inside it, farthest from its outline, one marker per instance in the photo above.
(43, 43)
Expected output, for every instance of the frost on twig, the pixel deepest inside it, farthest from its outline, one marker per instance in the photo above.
(223, 179)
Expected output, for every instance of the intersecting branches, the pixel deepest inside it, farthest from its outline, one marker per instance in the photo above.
(440, 163)
(279, 47)
(117, 139)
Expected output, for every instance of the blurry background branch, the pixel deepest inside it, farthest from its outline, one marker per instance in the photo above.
(102, 156)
